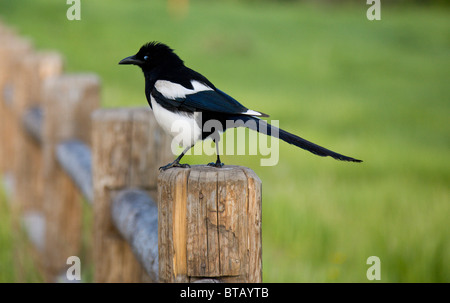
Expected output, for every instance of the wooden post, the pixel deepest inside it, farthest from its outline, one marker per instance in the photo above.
(128, 147)
(32, 71)
(209, 223)
(68, 103)
(12, 50)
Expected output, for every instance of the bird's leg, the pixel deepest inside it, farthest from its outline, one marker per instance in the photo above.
(177, 163)
(218, 162)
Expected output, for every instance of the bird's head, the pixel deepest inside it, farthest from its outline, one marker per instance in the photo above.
(152, 55)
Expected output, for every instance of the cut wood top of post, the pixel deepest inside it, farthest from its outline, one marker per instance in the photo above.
(205, 172)
(206, 168)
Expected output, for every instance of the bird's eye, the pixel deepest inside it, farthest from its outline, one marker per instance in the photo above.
(145, 58)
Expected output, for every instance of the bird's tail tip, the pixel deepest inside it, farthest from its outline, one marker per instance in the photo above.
(349, 159)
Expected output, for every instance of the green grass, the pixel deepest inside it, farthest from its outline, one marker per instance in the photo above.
(16, 261)
(373, 90)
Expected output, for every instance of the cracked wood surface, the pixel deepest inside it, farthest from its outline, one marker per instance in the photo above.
(210, 224)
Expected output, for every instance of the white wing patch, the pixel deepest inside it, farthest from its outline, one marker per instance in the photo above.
(172, 90)
(250, 112)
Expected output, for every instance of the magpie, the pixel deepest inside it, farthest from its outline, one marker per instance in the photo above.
(178, 94)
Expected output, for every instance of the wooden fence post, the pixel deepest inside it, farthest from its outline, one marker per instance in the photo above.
(68, 103)
(127, 149)
(32, 72)
(209, 223)
(12, 50)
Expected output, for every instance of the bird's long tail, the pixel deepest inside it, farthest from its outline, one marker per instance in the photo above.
(267, 129)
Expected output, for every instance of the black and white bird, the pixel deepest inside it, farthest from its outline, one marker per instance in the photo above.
(180, 95)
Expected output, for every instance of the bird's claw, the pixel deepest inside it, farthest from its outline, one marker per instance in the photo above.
(216, 164)
(174, 164)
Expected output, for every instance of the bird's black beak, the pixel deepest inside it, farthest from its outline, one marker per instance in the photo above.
(131, 60)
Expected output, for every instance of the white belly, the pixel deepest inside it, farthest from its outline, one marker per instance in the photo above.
(183, 128)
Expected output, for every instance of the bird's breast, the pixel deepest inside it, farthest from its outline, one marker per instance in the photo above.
(180, 125)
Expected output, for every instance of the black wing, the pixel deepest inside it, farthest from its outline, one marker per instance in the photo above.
(213, 100)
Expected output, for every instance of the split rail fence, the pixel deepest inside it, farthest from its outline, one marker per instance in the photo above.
(59, 148)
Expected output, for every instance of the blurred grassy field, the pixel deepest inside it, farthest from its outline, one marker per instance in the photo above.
(378, 91)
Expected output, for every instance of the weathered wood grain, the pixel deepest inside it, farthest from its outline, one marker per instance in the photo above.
(210, 224)
(128, 147)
